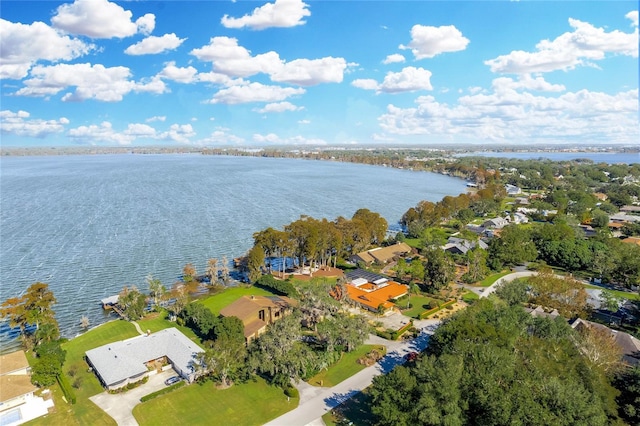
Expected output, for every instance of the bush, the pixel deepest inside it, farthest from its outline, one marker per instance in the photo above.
(68, 392)
(163, 391)
(292, 392)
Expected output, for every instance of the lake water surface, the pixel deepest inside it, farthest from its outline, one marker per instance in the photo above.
(89, 225)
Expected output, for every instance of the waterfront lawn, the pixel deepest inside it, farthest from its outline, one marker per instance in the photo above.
(218, 301)
(157, 321)
(84, 411)
(345, 367)
(492, 279)
(419, 304)
(251, 403)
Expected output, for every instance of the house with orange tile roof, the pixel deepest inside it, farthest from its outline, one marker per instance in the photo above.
(372, 291)
(257, 312)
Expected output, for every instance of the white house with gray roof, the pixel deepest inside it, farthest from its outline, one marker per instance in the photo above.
(120, 363)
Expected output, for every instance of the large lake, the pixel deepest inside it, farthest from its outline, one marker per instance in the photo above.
(89, 225)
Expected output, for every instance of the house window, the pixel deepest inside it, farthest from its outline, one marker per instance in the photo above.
(261, 315)
(276, 314)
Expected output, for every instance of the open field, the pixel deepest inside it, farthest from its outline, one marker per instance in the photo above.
(251, 403)
(344, 368)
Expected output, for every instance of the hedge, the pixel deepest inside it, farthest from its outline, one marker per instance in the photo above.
(284, 288)
(163, 391)
(395, 335)
(292, 392)
(425, 314)
(68, 392)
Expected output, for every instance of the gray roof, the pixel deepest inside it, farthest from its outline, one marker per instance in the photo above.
(118, 361)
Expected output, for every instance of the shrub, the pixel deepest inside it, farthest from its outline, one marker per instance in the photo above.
(67, 391)
(292, 392)
(77, 383)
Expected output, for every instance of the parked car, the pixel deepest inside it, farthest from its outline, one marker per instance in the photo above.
(172, 380)
(411, 356)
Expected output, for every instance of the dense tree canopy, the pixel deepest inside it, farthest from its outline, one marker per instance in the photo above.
(494, 365)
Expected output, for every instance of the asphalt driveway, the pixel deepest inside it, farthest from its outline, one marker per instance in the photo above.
(120, 406)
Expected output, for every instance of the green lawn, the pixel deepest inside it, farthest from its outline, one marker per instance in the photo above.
(492, 279)
(344, 368)
(419, 305)
(158, 321)
(470, 296)
(218, 301)
(252, 403)
(617, 293)
(84, 411)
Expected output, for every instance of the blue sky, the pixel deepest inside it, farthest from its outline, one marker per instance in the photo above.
(310, 73)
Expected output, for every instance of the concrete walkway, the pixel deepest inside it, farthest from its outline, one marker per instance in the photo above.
(319, 401)
(120, 406)
(137, 326)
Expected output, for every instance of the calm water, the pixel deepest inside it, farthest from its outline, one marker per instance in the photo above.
(89, 225)
(597, 157)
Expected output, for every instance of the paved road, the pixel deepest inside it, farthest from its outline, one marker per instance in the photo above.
(506, 279)
(316, 402)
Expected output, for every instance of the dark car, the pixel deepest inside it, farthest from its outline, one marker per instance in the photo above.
(411, 356)
(172, 380)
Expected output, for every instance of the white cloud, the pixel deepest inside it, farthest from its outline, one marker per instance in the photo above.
(279, 107)
(90, 81)
(181, 75)
(394, 59)
(365, 83)
(525, 81)
(584, 44)
(269, 138)
(427, 42)
(100, 19)
(310, 72)
(140, 130)
(233, 60)
(304, 122)
(410, 79)
(282, 13)
(180, 133)
(221, 136)
(156, 118)
(254, 92)
(153, 45)
(512, 114)
(633, 16)
(19, 124)
(272, 138)
(22, 45)
(94, 134)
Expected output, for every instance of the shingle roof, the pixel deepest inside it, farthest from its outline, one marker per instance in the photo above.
(246, 306)
(12, 386)
(13, 362)
(384, 254)
(121, 360)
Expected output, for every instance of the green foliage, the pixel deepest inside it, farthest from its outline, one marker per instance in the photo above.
(514, 292)
(514, 247)
(163, 391)
(67, 390)
(200, 319)
(132, 303)
(255, 262)
(292, 392)
(439, 268)
(496, 365)
(284, 288)
(628, 383)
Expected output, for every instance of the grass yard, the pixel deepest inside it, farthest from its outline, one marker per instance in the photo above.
(470, 297)
(492, 279)
(218, 301)
(344, 368)
(84, 411)
(252, 403)
(617, 293)
(157, 321)
(419, 305)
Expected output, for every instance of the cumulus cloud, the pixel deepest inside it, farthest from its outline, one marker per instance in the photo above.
(584, 44)
(633, 16)
(254, 92)
(393, 59)
(90, 81)
(156, 118)
(512, 113)
(181, 75)
(525, 81)
(221, 136)
(272, 138)
(100, 19)
(410, 79)
(22, 45)
(19, 124)
(231, 59)
(310, 72)
(279, 107)
(427, 42)
(103, 133)
(282, 13)
(153, 45)
(181, 133)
